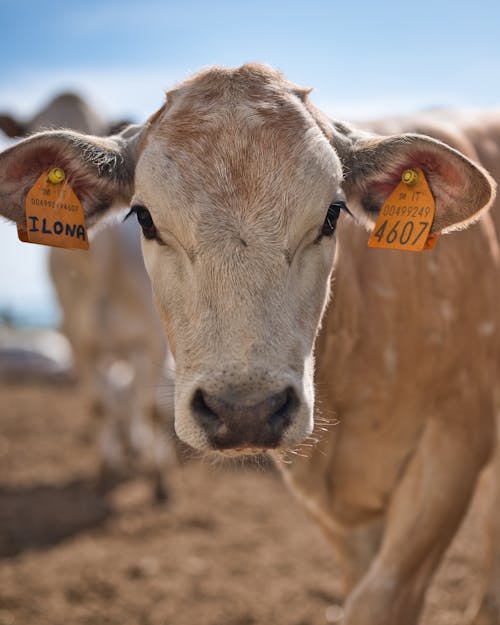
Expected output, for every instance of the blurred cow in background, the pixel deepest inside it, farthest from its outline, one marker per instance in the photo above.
(66, 110)
(120, 351)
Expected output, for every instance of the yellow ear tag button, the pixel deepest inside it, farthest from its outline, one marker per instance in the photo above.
(56, 175)
(405, 219)
(54, 215)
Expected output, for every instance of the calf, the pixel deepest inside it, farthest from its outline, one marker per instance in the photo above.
(120, 351)
(238, 183)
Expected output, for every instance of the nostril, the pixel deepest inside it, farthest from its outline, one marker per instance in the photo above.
(282, 405)
(207, 417)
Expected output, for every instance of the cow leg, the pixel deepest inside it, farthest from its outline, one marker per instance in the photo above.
(160, 452)
(148, 439)
(112, 389)
(96, 394)
(424, 513)
(354, 550)
(112, 463)
(489, 612)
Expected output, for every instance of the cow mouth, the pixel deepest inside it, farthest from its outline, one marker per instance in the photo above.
(238, 452)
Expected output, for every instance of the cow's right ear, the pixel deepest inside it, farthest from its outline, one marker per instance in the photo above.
(99, 170)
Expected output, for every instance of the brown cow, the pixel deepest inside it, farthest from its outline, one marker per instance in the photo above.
(237, 183)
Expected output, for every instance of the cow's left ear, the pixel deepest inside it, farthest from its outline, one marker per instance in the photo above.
(373, 167)
(99, 170)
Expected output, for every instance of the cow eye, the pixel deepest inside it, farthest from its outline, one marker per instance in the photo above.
(330, 223)
(145, 221)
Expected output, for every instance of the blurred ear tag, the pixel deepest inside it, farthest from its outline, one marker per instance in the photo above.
(54, 215)
(405, 219)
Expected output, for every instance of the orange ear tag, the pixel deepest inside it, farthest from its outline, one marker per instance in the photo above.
(431, 241)
(405, 219)
(54, 215)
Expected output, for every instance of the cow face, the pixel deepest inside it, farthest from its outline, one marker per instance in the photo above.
(233, 192)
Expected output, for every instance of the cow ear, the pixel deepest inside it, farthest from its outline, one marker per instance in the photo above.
(118, 126)
(99, 170)
(373, 167)
(12, 127)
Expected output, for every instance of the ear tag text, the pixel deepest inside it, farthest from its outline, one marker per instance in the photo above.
(54, 214)
(405, 219)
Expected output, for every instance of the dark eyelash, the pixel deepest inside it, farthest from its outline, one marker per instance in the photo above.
(332, 215)
(146, 222)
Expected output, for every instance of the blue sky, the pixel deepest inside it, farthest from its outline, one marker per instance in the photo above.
(362, 58)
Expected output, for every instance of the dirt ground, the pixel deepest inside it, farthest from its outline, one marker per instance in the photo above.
(232, 547)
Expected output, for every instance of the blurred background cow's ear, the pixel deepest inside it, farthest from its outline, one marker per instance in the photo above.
(116, 127)
(12, 127)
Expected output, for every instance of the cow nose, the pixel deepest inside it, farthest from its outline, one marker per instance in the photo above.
(232, 421)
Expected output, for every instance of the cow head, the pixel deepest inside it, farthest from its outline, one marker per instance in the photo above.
(233, 181)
